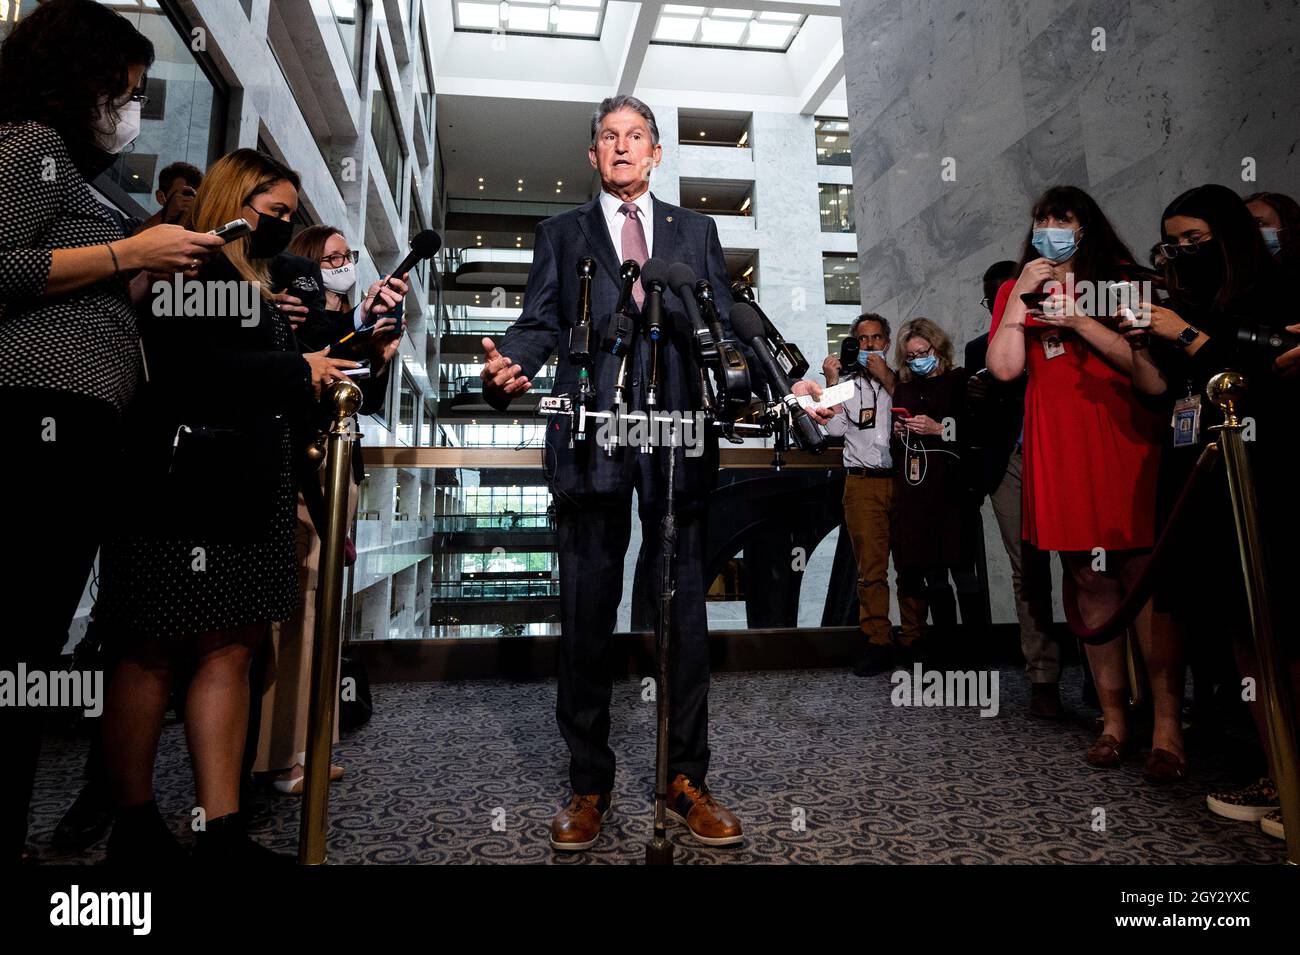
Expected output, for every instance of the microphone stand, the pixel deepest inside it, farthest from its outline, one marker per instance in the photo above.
(580, 352)
(659, 851)
(780, 429)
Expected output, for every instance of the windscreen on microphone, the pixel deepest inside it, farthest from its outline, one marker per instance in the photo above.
(745, 322)
(679, 274)
(426, 244)
(654, 270)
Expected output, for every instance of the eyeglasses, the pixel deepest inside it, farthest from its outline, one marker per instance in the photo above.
(923, 354)
(337, 260)
(1171, 249)
(137, 95)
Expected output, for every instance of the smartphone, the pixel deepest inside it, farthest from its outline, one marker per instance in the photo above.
(1033, 301)
(232, 230)
(355, 373)
(900, 412)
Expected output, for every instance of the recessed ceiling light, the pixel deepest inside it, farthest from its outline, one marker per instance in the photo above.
(480, 178)
(520, 181)
(701, 132)
(704, 198)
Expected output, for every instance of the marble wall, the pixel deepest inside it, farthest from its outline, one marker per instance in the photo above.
(1133, 101)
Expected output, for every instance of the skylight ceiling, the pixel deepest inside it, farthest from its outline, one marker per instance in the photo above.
(565, 18)
(728, 27)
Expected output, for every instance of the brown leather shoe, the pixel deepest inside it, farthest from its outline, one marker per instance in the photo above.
(1163, 768)
(1107, 751)
(695, 808)
(577, 825)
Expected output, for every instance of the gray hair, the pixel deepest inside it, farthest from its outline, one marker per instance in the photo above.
(612, 104)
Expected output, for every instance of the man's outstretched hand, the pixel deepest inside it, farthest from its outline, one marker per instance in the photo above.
(500, 376)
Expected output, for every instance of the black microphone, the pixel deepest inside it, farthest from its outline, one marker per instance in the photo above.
(628, 273)
(749, 328)
(654, 279)
(681, 279)
(709, 306)
(580, 333)
(787, 354)
(425, 245)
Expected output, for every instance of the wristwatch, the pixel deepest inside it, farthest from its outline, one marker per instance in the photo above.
(1186, 337)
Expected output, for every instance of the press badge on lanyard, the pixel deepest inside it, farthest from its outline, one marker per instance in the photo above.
(1187, 421)
(866, 418)
(1053, 345)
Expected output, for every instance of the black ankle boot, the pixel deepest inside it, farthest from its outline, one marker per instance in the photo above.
(85, 822)
(141, 837)
(224, 841)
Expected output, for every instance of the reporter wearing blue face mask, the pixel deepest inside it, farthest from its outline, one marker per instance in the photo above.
(1278, 217)
(930, 542)
(863, 423)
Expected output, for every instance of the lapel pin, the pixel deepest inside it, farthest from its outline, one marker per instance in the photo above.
(669, 219)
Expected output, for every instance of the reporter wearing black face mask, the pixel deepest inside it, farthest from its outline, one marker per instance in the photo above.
(1222, 280)
(205, 557)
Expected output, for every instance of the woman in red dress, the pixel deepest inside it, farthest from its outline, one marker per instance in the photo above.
(1091, 448)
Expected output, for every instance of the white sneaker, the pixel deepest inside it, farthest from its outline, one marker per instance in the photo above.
(1272, 824)
(1248, 804)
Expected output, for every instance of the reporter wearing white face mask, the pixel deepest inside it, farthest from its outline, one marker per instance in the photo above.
(285, 688)
(72, 72)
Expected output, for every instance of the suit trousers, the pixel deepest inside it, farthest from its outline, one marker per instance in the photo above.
(592, 536)
(1031, 580)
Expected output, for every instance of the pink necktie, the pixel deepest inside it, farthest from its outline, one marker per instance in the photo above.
(634, 246)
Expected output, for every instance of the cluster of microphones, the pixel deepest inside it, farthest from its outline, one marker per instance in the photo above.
(723, 371)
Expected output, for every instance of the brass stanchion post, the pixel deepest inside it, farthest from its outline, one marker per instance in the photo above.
(1226, 390)
(343, 398)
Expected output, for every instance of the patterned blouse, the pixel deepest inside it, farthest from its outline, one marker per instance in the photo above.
(84, 341)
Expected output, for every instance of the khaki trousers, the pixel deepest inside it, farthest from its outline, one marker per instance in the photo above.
(868, 512)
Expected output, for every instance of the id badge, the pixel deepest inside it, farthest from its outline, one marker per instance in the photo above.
(866, 419)
(914, 467)
(1053, 345)
(1187, 421)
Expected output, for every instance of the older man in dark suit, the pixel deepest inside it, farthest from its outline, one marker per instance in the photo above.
(593, 490)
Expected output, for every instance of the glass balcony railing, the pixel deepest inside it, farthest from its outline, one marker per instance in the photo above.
(478, 557)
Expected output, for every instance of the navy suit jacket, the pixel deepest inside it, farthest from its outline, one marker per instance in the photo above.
(550, 309)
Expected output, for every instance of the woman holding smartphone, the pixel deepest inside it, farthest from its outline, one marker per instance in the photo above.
(73, 74)
(205, 555)
(930, 497)
(286, 689)
(1090, 453)
(1222, 279)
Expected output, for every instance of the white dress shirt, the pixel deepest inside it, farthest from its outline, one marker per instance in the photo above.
(869, 447)
(614, 219)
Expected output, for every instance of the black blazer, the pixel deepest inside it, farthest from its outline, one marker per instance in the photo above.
(206, 453)
(550, 309)
(996, 421)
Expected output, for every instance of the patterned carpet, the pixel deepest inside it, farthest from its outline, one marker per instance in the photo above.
(440, 763)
